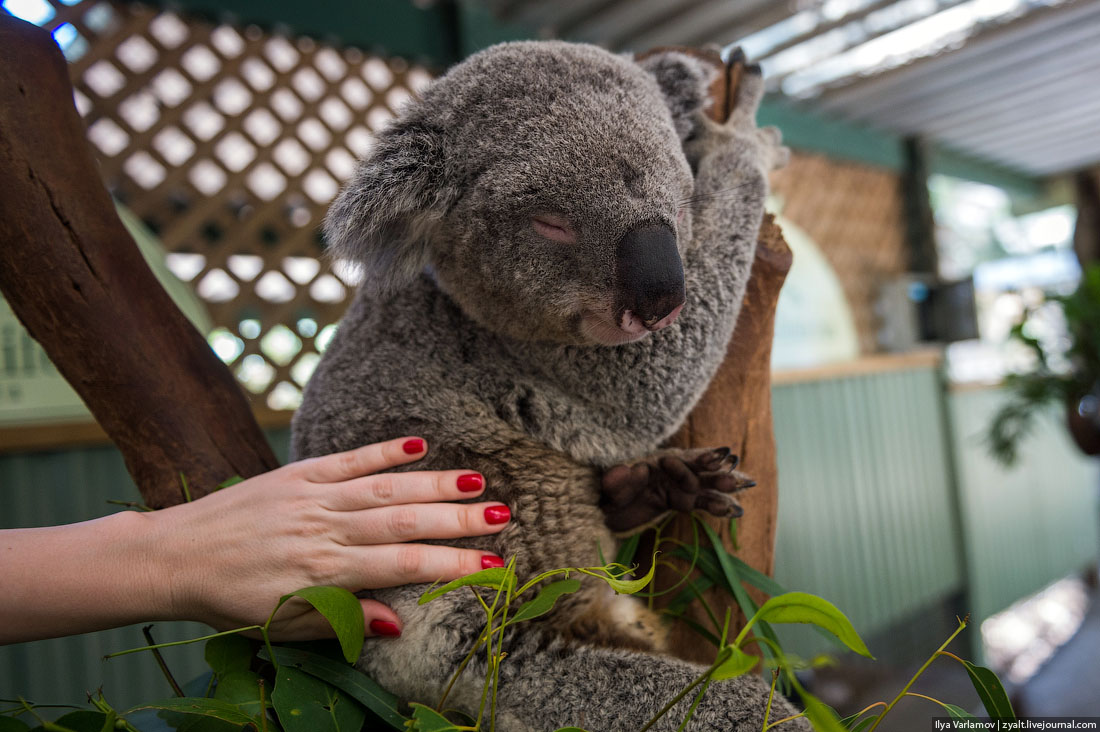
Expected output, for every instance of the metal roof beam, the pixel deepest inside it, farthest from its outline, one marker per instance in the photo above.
(872, 93)
(989, 82)
(713, 21)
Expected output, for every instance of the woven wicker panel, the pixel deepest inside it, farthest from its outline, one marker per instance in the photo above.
(230, 143)
(854, 213)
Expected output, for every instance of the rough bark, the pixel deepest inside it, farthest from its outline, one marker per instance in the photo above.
(80, 286)
(736, 410)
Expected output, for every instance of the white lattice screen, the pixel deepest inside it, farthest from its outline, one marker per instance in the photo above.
(229, 143)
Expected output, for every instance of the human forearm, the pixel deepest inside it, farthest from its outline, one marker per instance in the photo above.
(227, 558)
(61, 580)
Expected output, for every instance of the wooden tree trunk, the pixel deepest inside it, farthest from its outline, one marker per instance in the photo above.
(80, 286)
(78, 283)
(736, 410)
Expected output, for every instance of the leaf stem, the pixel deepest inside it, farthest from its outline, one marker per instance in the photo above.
(778, 722)
(147, 631)
(461, 667)
(921, 670)
(263, 708)
(922, 696)
(188, 641)
(771, 695)
(683, 692)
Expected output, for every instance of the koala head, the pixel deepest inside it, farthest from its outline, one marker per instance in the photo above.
(544, 187)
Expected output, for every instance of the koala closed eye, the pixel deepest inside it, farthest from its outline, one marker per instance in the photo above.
(554, 228)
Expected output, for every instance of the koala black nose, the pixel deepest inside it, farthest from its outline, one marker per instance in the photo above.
(650, 278)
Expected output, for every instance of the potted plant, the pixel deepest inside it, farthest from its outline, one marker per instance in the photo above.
(1070, 375)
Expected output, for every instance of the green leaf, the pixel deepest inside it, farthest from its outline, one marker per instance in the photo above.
(495, 578)
(84, 721)
(230, 481)
(848, 721)
(865, 723)
(958, 712)
(732, 581)
(307, 704)
(802, 607)
(352, 682)
(628, 549)
(11, 724)
(821, 716)
(342, 611)
(209, 708)
(429, 720)
(991, 692)
(623, 587)
(738, 664)
(545, 600)
(228, 653)
(701, 630)
(243, 689)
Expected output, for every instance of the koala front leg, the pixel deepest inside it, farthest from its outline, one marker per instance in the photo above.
(636, 495)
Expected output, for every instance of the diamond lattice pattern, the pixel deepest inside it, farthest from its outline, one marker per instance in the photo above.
(230, 143)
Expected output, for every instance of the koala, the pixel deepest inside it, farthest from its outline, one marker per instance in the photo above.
(555, 243)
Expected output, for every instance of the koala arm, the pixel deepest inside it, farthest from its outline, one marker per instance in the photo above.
(731, 160)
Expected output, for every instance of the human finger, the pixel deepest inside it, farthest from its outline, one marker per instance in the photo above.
(341, 466)
(417, 521)
(390, 565)
(385, 489)
(308, 624)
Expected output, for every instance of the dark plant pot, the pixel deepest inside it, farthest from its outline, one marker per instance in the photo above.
(1081, 417)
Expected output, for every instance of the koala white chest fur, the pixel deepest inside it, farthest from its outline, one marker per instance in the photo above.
(556, 243)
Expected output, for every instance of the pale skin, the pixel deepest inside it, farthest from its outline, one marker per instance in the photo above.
(225, 559)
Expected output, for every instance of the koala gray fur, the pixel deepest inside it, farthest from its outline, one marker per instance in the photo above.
(504, 348)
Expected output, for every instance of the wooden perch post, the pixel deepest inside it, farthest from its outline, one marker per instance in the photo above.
(736, 410)
(78, 283)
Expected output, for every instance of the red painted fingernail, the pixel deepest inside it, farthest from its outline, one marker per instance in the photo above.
(413, 446)
(490, 562)
(497, 514)
(385, 627)
(470, 482)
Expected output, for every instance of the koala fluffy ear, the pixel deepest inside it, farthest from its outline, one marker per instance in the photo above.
(385, 216)
(684, 82)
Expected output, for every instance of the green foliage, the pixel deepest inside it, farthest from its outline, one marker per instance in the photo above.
(341, 609)
(1046, 384)
(312, 692)
(307, 704)
(990, 691)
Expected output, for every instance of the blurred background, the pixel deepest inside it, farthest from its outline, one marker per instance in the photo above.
(942, 203)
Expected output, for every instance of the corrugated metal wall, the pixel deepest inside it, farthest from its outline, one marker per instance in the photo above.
(64, 487)
(866, 515)
(59, 487)
(1025, 526)
(867, 519)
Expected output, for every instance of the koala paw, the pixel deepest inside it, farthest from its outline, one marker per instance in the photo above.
(763, 146)
(636, 495)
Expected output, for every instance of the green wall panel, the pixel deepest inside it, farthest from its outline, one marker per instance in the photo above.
(59, 487)
(1027, 526)
(866, 515)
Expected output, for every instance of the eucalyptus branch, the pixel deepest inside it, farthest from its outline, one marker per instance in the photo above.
(188, 641)
(921, 670)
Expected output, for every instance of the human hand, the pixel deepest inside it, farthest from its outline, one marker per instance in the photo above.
(335, 520)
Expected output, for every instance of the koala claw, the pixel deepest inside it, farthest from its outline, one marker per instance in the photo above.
(636, 495)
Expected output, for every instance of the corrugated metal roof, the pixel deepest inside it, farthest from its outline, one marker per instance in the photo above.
(1016, 82)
